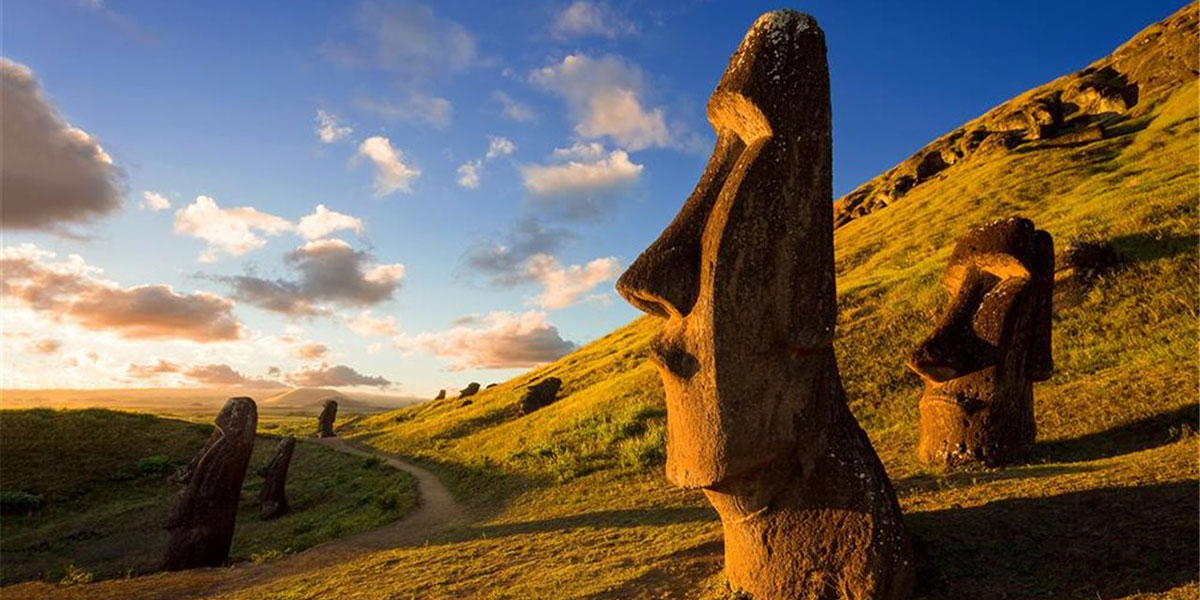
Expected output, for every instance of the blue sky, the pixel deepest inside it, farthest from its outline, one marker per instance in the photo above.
(440, 157)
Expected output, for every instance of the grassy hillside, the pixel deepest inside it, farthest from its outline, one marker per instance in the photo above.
(94, 489)
(570, 501)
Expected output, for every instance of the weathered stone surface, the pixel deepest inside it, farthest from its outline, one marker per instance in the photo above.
(201, 521)
(327, 417)
(539, 395)
(992, 343)
(441, 395)
(744, 279)
(273, 497)
(471, 389)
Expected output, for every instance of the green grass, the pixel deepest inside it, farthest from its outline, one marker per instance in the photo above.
(102, 479)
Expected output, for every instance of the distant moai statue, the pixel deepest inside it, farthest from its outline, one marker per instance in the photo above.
(441, 395)
(325, 421)
(539, 395)
(202, 520)
(744, 281)
(991, 344)
(273, 497)
(471, 389)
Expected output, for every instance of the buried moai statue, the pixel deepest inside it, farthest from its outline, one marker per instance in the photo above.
(471, 389)
(273, 497)
(744, 281)
(539, 395)
(325, 421)
(991, 344)
(202, 520)
(441, 395)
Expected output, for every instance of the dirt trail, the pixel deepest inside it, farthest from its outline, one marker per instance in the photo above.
(436, 511)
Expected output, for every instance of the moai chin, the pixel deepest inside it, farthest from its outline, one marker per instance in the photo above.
(991, 344)
(325, 421)
(202, 520)
(744, 280)
(273, 497)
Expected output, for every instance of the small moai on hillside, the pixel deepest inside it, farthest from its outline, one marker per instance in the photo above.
(539, 395)
(991, 344)
(201, 521)
(273, 497)
(744, 281)
(471, 389)
(441, 395)
(328, 415)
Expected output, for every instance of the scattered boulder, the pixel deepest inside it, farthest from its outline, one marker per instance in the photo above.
(490, 386)
(273, 497)
(757, 415)
(329, 408)
(471, 389)
(202, 520)
(441, 395)
(539, 395)
(466, 403)
(992, 343)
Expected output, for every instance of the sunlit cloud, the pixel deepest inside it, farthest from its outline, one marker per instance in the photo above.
(502, 260)
(52, 174)
(391, 174)
(406, 39)
(323, 222)
(415, 107)
(499, 146)
(154, 201)
(581, 18)
(498, 340)
(45, 346)
(71, 290)
(334, 376)
(310, 351)
(468, 174)
(564, 286)
(232, 231)
(512, 109)
(580, 182)
(219, 375)
(329, 129)
(367, 324)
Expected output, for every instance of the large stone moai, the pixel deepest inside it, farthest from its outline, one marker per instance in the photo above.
(328, 415)
(744, 280)
(273, 497)
(992, 343)
(201, 522)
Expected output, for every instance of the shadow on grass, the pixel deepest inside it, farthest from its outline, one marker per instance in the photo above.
(1144, 434)
(1148, 246)
(592, 520)
(678, 571)
(1100, 543)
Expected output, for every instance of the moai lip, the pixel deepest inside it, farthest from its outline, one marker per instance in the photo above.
(744, 281)
(991, 344)
(202, 520)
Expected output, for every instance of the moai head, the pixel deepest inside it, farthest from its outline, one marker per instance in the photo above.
(992, 343)
(744, 274)
(328, 415)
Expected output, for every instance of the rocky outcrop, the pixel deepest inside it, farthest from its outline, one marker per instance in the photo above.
(273, 497)
(744, 281)
(471, 389)
(201, 521)
(1073, 109)
(325, 421)
(539, 395)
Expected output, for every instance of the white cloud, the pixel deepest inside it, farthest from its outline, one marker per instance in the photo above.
(582, 18)
(154, 201)
(501, 340)
(468, 174)
(233, 231)
(323, 222)
(329, 129)
(367, 324)
(391, 174)
(512, 109)
(583, 152)
(406, 38)
(604, 96)
(499, 146)
(594, 173)
(417, 106)
(563, 286)
(52, 174)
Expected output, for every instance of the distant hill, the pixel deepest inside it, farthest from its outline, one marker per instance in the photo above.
(201, 401)
(312, 398)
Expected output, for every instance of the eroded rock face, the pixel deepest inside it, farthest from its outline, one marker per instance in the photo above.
(744, 279)
(539, 395)
(325, 420)
(991, 344)
(471, 389)
(273, 497)
(201, 522)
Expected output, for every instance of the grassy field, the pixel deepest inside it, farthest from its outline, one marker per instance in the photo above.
(98, 479)
(570, 501)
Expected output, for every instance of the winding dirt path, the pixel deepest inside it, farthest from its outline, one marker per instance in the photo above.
(436, 511)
